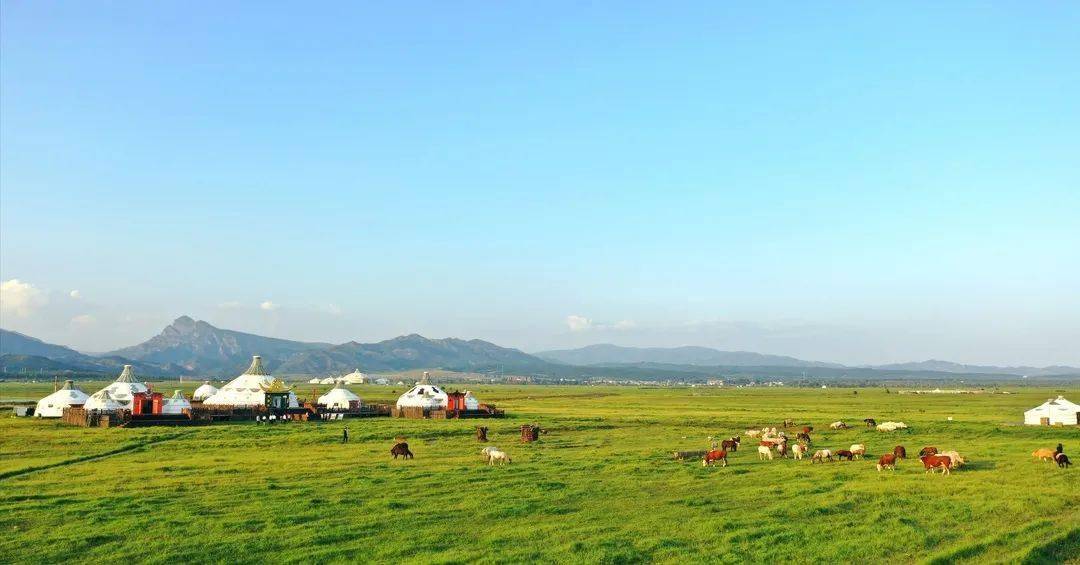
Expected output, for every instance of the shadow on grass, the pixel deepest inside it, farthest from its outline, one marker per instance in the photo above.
(1061, 549)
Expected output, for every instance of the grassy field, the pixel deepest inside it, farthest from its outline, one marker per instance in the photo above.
(600, 487)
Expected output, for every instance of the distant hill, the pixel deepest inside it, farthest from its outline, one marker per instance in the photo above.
(607, 354)
(15, 343)
(415, 352)
(22, 353)
(201, 348)
(950, 367)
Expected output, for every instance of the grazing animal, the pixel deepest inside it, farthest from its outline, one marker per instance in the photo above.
(764, 452)
(401, 449)
(821, 455)
(714, 456)
(486, 452)
(900, 452)
(870, 422)
(788, 422)
(807, 429)
(891, 426)
(730, 444)
(782, 449)
(845, 454)
(1044, 453)
(957, 461)
(858, 450)
(752, 433)
(838, 426)
(932, 462)
(1062, 460)
(927, 451)
(680, 455)
(798, 450)
(498, 455)
(887, 461)
(803, 436)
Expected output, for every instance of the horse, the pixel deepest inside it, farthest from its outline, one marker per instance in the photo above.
(498, 455)
(731, 444)
(714, 456)
(887, 461)
(807, 429)
(804, 436)
(928, 450)
(798, 450)
(900, 452)
(782, 449)
(1062, 460)
(1044, 454)
(821, 455)
(764, 452)
(845, 454)
(858, 449)
(401, 449)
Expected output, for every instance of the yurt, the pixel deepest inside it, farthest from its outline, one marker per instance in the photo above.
(52, 406)
(471, 402)
(424, 395)
(205, 390)
(1056, 411)
(340, 398)
(354, 378)
(103, 401)
(247, 389)
(328, 381)
(315, 381)
(382, 381)
(176, 404)
(123, 388)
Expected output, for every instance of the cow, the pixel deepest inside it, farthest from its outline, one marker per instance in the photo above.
(957, 461)
(680, 455)
(798, 450)
(763, 452)
(870, 422)
(1044, 454)
(845, 454)
(498, 455)
(900, 452)
(928, 450)
(858, 450)
(714, 456)
(821, 455)
(402, 449)
(731, 444)
(1062, 460)
(931, 462)
(839, 425)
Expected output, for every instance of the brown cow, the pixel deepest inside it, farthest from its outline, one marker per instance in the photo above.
(928, 450)
(401, 449)
(931, 462)
(731, 444)
(900, 452)
(714, 456)
(844, 454)
(887, 461)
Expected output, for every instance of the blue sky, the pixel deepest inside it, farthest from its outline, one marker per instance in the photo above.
(840, 181)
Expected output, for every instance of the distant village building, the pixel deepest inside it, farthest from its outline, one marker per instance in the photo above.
(1056, 411)
(52, 406)
(248, 389)
(424, 395)
(340, 398)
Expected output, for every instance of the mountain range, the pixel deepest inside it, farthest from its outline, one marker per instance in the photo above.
(190, 347)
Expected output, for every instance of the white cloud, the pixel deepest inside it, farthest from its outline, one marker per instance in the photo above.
(83, 320)
(269, 306)
(75, 294)
(578, 323)
(21, 299)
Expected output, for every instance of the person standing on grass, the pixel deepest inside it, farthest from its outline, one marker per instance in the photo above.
(345, 435)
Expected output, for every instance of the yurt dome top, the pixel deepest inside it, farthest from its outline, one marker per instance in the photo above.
(205, 390)
(423, 395)
(247, 389)
(339, 397)
(103, 400)
(124, 387)
(52, 406)
(176, 404)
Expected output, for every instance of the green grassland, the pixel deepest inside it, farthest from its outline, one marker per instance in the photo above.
(599, 487)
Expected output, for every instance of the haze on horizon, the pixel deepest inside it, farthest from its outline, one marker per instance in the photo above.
(848, 183)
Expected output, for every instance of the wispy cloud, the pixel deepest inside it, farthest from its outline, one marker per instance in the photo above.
(269, 306)
(578, 323)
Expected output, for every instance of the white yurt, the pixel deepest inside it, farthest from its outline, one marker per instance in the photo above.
(103, 400)
(1053, 412)
(424, 395)
(52, 406)
(247, 389)
(471, 402)
(340, 398)
(205, 390)
(382, 381)
(175, 404)
(354, 378)
(315, 381)
(122, 389)
(328, 381)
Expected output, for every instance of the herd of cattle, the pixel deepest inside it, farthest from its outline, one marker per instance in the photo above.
(769, 439)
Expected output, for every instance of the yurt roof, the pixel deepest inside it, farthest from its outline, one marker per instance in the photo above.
(127, 375)
(256, 367)
(69, 392)
(339, 392)
(103, 400)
